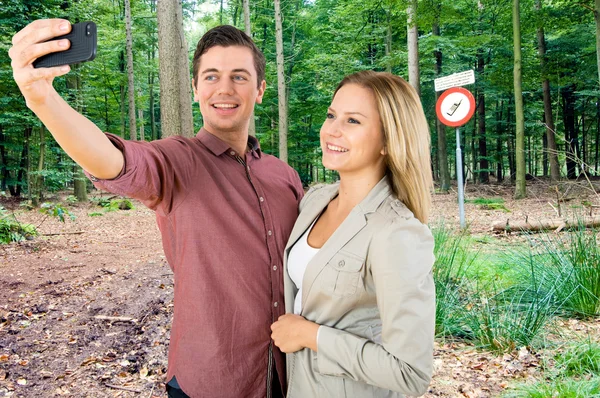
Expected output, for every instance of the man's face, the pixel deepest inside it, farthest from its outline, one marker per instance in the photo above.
(226, 89)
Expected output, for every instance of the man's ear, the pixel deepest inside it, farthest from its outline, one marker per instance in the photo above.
(196, 99)
(261, 92)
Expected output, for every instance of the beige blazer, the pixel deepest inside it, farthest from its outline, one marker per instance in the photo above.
(371, 288)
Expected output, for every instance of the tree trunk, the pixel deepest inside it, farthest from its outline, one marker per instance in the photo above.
(248, 30)
(484, 175)
(281, 90)
(520, 189)
(412, 38)
(388, 42)
(552, 152)
(130, 84)
(499, 142)
(122, 92)
(175, 86)
(570, 131)
(79, 179)
(3, 162)
(442, 150)
(597, 19)
(38, 181)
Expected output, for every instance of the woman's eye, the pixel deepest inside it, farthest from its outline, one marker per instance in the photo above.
(330, 115)
(353, 121)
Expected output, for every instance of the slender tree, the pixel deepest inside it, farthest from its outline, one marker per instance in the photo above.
(130, 84)
(248, 30)
(281, 86)
(520, 189)
(412, 38)
(548, 118)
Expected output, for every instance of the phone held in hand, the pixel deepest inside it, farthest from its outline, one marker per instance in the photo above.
(83, 38)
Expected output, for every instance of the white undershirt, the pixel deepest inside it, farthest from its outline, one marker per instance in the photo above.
(300, 255)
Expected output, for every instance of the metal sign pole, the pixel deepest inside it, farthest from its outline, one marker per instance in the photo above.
(459, 177)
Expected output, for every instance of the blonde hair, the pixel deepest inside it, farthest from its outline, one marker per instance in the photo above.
(406, 135)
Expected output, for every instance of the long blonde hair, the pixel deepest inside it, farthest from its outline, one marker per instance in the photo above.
(406, 134)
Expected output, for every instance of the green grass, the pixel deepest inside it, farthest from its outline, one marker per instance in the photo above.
(489, 203)
(558, 388)
(580, 360)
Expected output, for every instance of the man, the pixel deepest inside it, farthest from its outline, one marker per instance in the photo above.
(224, 209)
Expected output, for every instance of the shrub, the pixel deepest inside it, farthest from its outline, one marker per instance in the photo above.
(56, 210)
(11, 230)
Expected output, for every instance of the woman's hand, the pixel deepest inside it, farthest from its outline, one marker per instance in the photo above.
(292, 333)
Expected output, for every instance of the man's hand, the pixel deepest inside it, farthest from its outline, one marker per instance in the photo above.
(30, 44)
(292, 333)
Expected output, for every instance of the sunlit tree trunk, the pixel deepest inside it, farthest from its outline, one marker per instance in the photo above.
(440, 128)
(413, 46)
(175, 85)
(281, 90)
(248, 30)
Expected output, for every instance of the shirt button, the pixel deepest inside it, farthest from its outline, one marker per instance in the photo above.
(342, 263)
(261, 199)
(274, 268)
(270, 232)
(275, 304)
(232, 153)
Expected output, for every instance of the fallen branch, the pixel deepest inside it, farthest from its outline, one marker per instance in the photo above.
(65, 233)
(556, 225)
(116, 318)
(123, 388)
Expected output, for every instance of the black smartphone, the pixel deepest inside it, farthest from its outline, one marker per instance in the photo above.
(83, 38)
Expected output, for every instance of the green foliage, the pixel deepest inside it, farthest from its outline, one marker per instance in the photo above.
(569, 264)
(114, 204)
(580, 360)
(489, 203)
(452, 261)
(559, 388)
(56, 210)
(95, 214)
(11, 230)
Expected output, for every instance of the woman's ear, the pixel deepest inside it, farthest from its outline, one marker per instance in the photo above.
(384, 151)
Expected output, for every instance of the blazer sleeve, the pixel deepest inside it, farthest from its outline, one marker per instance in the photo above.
(401, 258)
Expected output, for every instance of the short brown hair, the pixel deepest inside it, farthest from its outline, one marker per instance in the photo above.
(406, 134)
(227, 36)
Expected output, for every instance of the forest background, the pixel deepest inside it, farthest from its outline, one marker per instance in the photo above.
(556, 132)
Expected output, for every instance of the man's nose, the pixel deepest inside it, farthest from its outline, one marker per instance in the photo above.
(225, 87)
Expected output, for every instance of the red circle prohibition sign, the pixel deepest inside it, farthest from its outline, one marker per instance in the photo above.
(455, 106)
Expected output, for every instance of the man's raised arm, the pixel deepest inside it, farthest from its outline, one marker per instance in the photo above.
(81, 139)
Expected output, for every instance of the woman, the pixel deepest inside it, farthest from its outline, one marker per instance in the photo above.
(360, 297)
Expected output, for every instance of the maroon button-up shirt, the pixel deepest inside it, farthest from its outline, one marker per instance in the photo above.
(224, 221)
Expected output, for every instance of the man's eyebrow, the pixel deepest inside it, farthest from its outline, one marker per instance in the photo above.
(241, 70)
(209, 70)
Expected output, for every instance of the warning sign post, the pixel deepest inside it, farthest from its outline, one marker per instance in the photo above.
(454, 108)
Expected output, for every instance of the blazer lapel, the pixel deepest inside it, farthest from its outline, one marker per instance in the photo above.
(351, 226)
(346, 231)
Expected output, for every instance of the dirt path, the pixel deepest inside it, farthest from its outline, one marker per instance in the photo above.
(85, 310)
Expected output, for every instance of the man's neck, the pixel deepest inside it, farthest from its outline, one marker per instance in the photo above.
(238, 141)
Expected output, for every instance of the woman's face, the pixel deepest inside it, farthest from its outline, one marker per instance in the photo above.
(351, 136)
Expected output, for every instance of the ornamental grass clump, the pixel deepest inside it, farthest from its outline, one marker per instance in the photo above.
(503, 319)
(570, 264)
(452, 260)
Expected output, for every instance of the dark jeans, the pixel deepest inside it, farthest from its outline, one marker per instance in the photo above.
(175, 392)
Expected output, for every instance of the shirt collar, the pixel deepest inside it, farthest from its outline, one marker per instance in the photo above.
(218, 147)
